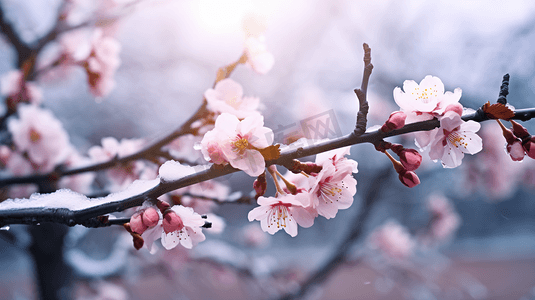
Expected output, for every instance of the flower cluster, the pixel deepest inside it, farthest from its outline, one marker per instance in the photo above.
(308, 195)
(519, 141)
(227, 97)
(174, 225)
(428, 100)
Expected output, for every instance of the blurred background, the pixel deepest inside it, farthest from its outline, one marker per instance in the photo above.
(481, 246)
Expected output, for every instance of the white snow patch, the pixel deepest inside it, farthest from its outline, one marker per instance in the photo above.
(66, 198)
(172, 170)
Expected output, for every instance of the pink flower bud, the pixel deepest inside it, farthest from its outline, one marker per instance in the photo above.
(529, 147)
(409, 178)
(162, 206)
(260, 185)
(395, 121)
(519, 130)
(172, 222)
(457, 107)
(410, 158)
(510, 138)
(136, 223)
(150, 217)
(516, 151)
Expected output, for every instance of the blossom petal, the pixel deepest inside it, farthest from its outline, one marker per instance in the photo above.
(185, 238)
(170, 240)
(252, 163)
(474, 143)
(258, 213)
(452, 157)
(291, 227)
(302, 216)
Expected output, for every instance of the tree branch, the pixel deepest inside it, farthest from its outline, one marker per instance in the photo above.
(71, 218)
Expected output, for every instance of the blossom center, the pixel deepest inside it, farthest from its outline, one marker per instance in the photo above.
(426, 95)
(233, 101)
(35, 136)
(329, 191)
(240, 145)
(279, 215)
(455, 138)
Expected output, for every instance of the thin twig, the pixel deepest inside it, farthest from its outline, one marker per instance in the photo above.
(361, 125)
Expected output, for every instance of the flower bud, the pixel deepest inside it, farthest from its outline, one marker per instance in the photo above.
(172, 222)
(162, 206)
(529, 147)
(516, 151)
(150, 217)
(457, 107)
(136, 223)
(260, 185)
(395, 121)
(519, 130)
(409, 178)
(410, 158)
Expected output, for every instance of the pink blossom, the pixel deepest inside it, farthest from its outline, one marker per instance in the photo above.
(393, 240)
(188, 233)
(13, 86)
(334, 186)
(428, 97)
(183, 226)
(227, 97)
(425, 101)
(38, 133)
(445, 221)
(102, 63)
(454, 138)
(257, 55)
(238, 142)
(283, 212)
(75, 45)
(184, 147)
